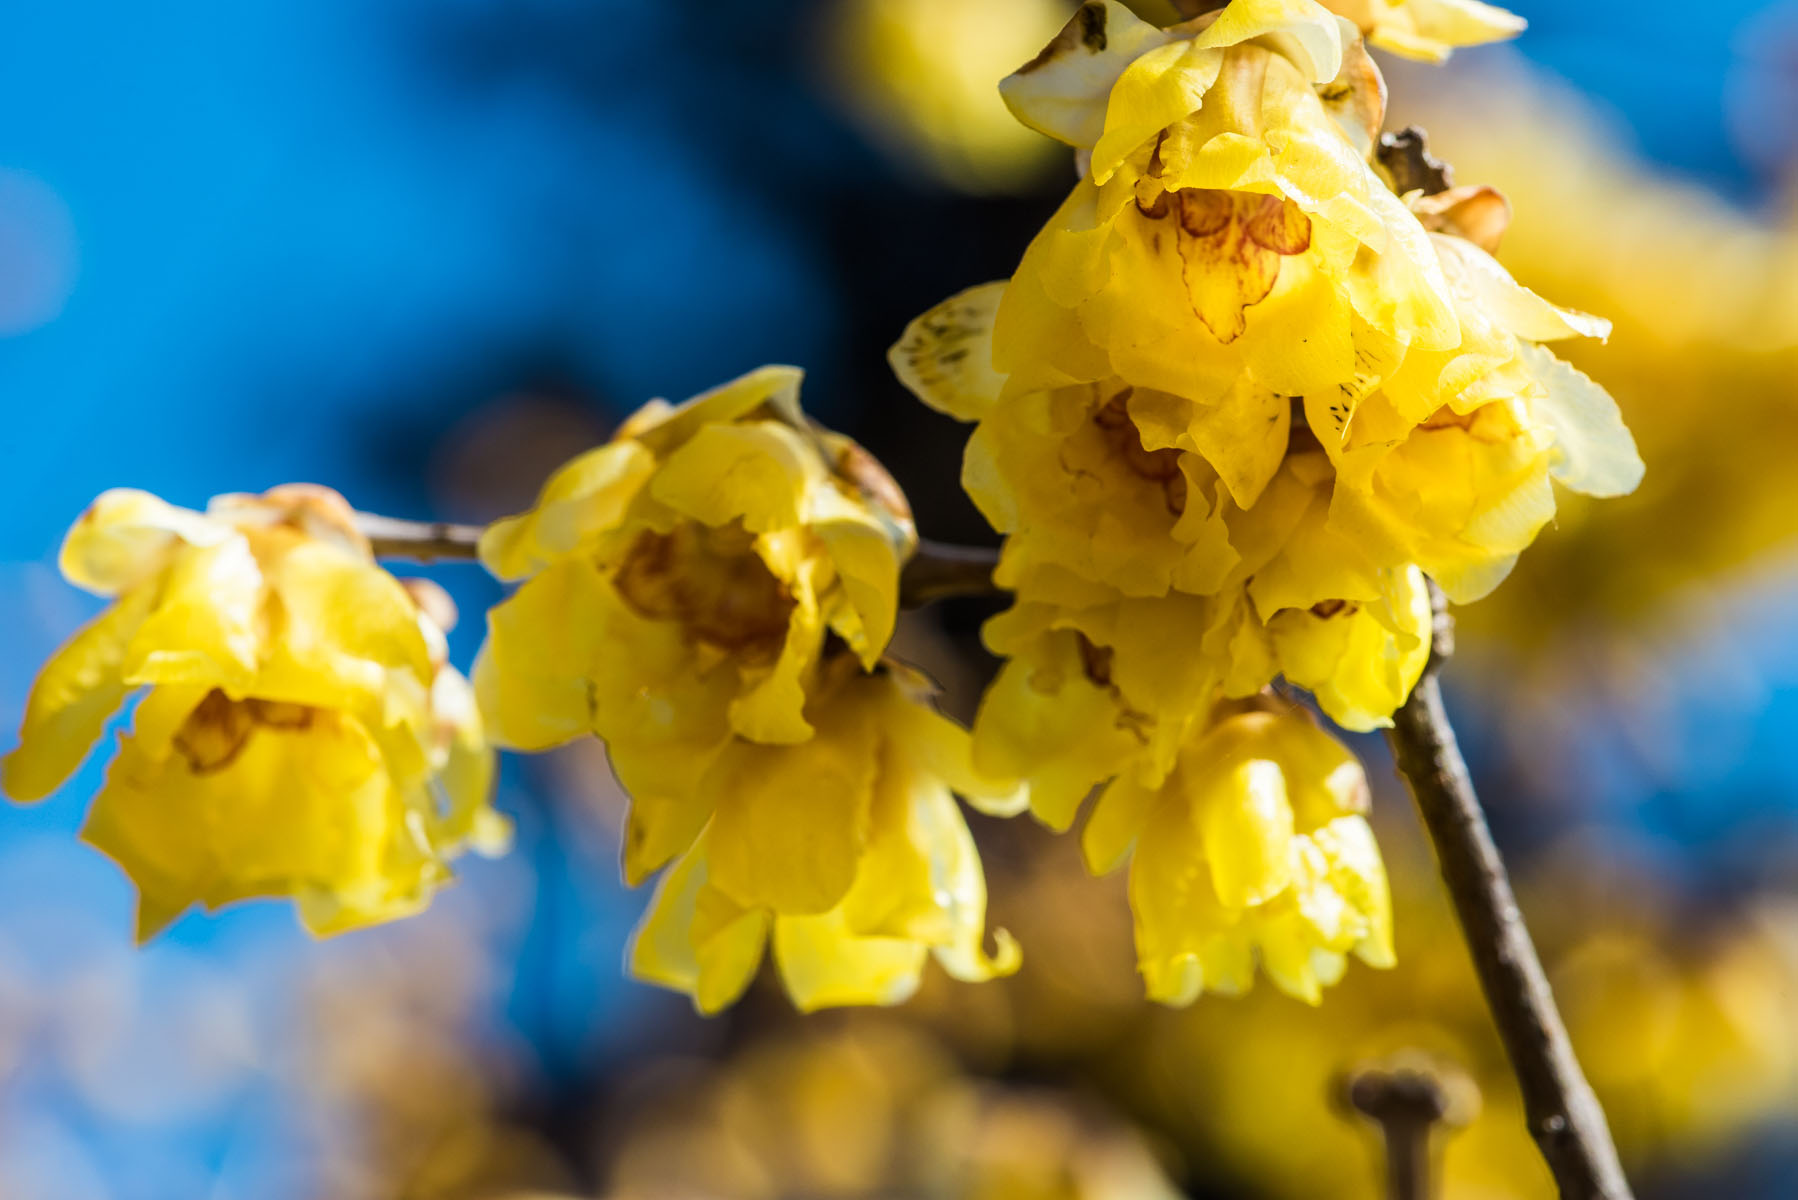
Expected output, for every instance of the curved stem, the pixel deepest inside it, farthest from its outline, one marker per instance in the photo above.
(1564, 1116)
(937, 571)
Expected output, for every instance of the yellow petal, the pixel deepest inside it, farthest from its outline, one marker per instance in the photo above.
(542, 647)
(753, 471)
(1063, 91)
(587, 496)
(467, 771)
(1163, 85)
(693, 940)
(1174, 904)
(775, 388)
(74, 695)
(867, 563)
(306, 811)
(206, 627)
(1246, 823)
(824, 965)
(1117, 819)
(1045, 721)
(1358, 873)
(945, 751)
(945, 356)
(791, 821)
(127, 535)
(1594, 453)
(1311, 39)
(344, 630)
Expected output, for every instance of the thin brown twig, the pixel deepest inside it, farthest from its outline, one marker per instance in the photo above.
(937, 571)
(1563, 1114)
(420, 541)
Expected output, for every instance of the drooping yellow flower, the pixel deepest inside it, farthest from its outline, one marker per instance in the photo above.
(1229, 223)
(1121, 685)
(681, 582)
(846, 851)
(299, 734)
(1254, 849)
(1429, 29)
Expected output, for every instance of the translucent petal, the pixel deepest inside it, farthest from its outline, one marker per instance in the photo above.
(1594, 453)
(945, 356)
(74, 695)
(1064, 90)
(126, 535)
(1246, 823)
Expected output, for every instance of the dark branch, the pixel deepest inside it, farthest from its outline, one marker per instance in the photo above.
(936, 572)
(940, 571)
(1564, 1116)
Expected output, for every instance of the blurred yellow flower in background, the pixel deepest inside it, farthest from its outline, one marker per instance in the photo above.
(922, 76)
(1428, 29)
(869, 1108)
(847, 852)
(681, 583)
(301, 734)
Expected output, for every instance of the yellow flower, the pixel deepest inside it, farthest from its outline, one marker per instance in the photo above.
(681, 582)
(1121, 685)
(1254, 849)
(1428, 29)
(846, 850)
(1229, 221)
(300, 734)
(1450, 463)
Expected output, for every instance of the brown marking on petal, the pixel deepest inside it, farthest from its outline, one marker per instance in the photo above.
(214, 733)
(1332, 608)
(1356, 98)
(1276, 223)
(1173, 490)
(279, 714)
(1125, 441)
(1225, 270)
(1086, 28)
(1091, 19)
(1155, 210)
(1205, 212)
(863, 472)
(714, 584)
(1095, 661)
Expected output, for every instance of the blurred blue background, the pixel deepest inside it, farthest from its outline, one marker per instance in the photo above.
(420, 252)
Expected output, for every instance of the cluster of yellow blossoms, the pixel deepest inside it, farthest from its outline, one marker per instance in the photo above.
(711, 592)
(1238, 400)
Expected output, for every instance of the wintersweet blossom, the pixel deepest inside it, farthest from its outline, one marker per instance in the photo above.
(680, 586)
(298, 731)
(1255, 849)
(846, 852)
